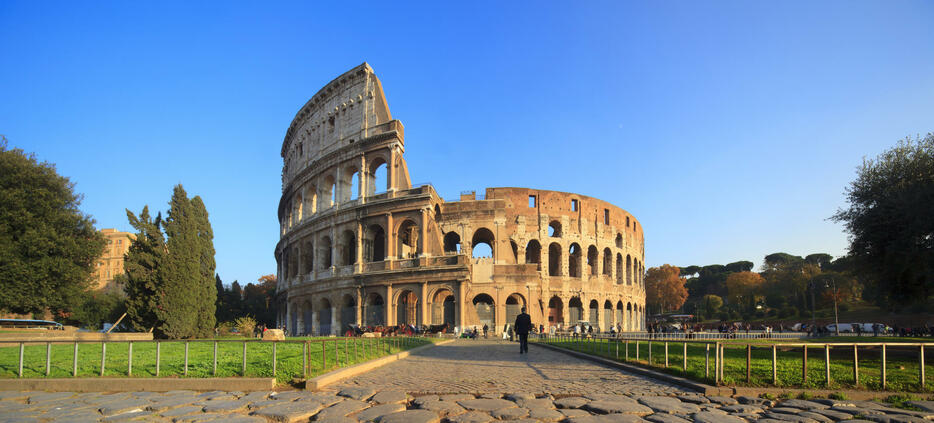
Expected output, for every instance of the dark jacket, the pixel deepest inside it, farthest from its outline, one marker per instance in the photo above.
(523, 324)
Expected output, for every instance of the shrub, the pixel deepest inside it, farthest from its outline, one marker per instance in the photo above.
(768, 396)
(787, 312)
(245, 325)
(225, 328)
(805, 395)
(837, 396)
(785, 395)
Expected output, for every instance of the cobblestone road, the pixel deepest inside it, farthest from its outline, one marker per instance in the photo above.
(479, 366)
(545, 386)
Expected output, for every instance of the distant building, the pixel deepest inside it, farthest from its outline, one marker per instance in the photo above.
(111, 262)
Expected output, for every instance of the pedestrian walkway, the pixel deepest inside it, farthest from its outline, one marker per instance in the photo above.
(483, 366)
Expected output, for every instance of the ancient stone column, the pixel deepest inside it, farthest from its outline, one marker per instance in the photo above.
(389, 307)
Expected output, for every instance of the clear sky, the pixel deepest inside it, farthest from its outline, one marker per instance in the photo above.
(729, 129)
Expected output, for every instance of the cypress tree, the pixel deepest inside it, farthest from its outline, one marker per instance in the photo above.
(206, 283)
(180, 305)
(142, 281)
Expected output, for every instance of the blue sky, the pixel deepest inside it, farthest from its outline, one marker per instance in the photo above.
(730, 129)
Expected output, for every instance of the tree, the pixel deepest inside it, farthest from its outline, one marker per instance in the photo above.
(665, 288)
(48, 247)
(743, 288)
(711, 305)
(889, 221)
(739, 266)
(170, 280)
(97, 308)
(819, 259)
(259, 300)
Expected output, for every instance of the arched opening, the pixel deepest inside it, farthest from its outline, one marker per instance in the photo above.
(533, 252)
(407, 308)
(375, 247)
(452, 243)
(554, 259)
(628, 269)
(486, 313)
(482, 243)
(555, 311)
(437, 213)
(554, 228)
(349, 248)
(629, 321)
(354, 190)
(408, 240)
(619, 269)
(607, 315)
(324, 317)
(348, 312)
(515, 251)
(574, 261)
(307, 318)
(310, 197)
(620, 324)
(373, 314)
(514, 304)
(575, 311)
(293, 263)
(328, 191)
(308, 257)
(442, 309)
(377, 180)
(607, 262)
(619, 240)
(594, 317)
(324, 252)
(592, 257)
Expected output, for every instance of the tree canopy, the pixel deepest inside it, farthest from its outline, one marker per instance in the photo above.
(48, 247)
(664, 288)
(891, 203)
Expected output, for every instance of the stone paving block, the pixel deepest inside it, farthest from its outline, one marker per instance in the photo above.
(856, 421)
(256, 396)
(128, 417)
(424, 398)
(375, 412)
(263, 404)
(742, 408)
(169, 404)
(519, 395)
(491, 395)
(16, 395)
(895, 418)
(785, 410)
(342, 409)
(486, 404)
(611, 397)
(287, 396)
(360, 394)
(510, 413)
(456, 397)
(708, 417)
(410, 416)
(893, 410)
(198, 418)
(856, 410)
(819, 417)
(122, 406)
(289, 411)
(535, 403)
(693, 399)
(471, 417)
(608, 418)
(77, 418)
(804, 405)
(443, 408)
(670, 405)
(833, 414)
(665, 418)
(545, 414)
(761, 402)
(789, 417)
(616, 407)
(924, 405)
(722, 400)
(235, 418)
(388, 397)
(571, 402)
(49, 396)
(181, 411)
(212, 394)
(336, 420)
(225, 406)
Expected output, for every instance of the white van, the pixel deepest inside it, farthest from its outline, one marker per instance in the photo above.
(844, 327)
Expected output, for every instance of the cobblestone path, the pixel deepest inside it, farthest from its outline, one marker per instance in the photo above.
(480, 366)
(545, 386)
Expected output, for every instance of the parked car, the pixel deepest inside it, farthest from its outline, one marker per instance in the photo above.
(844, 327)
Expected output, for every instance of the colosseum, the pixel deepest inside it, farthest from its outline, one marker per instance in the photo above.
(360, 244)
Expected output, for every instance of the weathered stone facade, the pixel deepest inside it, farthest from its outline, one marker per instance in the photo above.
(393, 253)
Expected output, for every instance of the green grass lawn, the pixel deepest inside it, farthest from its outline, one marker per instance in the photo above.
(902, 363)
(324, 354)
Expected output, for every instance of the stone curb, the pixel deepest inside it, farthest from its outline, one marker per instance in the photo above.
(680, 381)
(162, 384)
(319, 382)
(850, 394)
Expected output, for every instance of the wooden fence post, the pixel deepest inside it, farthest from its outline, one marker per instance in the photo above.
(129, 359)
(707, 361)
(186, 358)
(883, 367)
(666, 354)
(855, 365)
(243, 368)
(48, 357)
(214, 367)
(827, 365)
(804, 364)
(748, 363)
(684, 364)
(21, 346)
(158, 356)
(75, 361)
(921, 367)
(774, 365)
(274, 343)
(103, 356)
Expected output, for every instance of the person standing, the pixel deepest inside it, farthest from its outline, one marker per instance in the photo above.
(523, 326)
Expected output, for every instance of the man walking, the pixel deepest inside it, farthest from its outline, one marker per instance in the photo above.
(523, 326)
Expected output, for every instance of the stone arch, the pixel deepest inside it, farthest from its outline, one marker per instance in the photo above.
(620, 323)
(515, 251)
(594, 315)
(607, 315)
(324, 316)
(328, 191)
(307, 317)
(348, 312)
(555, 311)
(293, 263)
(628, 269)
(348, 248)
(324, 252)
(607, 262)
(554, 259)
(482, 236)
(619, 240)
(443, 308)
(407, 308)
(374, 310)
(308, 257)
(375, 243)
(485, 310)
(378, 168)
(575, 311)
(350, 182)
(452, 243)
(554, 229)
(408, 239)
(629, 321)
(619, 269)
(574, 260)
(311, 198)
(514, 304)
(533, 252)
(592, 257)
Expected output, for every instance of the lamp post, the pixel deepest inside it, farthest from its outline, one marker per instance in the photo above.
(813, 324)
(836, 317)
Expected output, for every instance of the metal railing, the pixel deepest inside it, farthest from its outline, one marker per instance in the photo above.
(611, 346)
(341, 351)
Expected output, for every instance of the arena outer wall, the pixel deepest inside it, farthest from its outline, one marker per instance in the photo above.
(392, 253)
